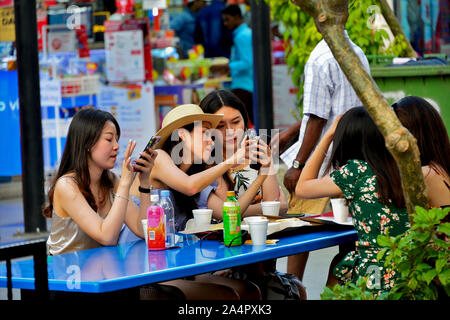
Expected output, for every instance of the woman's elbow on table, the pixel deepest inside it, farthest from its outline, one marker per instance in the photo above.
(109, 242)
(109, 239)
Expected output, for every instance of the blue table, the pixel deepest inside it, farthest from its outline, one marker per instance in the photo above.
(130, 265)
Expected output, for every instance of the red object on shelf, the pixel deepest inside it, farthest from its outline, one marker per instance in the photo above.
(124, 6)
(6, 3)
(83, 46)
(41, 17)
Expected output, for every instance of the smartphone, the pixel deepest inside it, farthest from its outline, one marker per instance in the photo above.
(252, 135)
(152, 142)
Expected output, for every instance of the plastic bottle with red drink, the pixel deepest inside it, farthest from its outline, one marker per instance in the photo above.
(156, 229)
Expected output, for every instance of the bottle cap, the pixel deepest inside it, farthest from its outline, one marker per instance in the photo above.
(230, 193)
(165, 193)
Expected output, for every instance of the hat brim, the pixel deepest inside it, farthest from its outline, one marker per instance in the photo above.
(166, 131)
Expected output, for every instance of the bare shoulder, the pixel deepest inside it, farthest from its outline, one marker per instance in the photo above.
(433, 172)
(66, 185)
(426, 171)
(161, 154)
(66, 192)
(163, 159)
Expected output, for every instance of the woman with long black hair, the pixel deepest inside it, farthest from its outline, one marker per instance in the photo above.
(426, 125)
(367, 176)
(181, 167)
(233, 127)
(88, 204)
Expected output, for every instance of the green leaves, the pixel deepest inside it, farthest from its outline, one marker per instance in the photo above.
(349, 291)
(384, 241)
(302, 35)
(444, 277)
(429, 275)
(440, 264)
(444, 228)
(420, 258)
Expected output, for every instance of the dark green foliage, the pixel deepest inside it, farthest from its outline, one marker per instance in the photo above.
(420, 257)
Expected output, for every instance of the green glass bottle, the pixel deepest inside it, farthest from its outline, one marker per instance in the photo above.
(232, 221)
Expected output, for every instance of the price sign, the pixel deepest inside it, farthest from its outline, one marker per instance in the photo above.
(7, 26)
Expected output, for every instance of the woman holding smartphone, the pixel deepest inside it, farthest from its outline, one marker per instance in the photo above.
(181, 167)
(88, 204)
(259, 184)
(233, 127)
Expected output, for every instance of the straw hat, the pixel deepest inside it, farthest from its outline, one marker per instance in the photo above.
(181, 116)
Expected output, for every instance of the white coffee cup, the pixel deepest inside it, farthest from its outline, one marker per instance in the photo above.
(340, 210)
(202, 217)
(270, 208)
(144, 227)
(257, 226)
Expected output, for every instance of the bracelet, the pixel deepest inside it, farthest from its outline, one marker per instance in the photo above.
(144, 190)
(119, 196)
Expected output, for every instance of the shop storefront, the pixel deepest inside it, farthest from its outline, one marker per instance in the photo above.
(120, 56)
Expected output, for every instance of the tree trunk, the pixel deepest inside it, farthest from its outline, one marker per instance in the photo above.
(330, 17)
(395, 26)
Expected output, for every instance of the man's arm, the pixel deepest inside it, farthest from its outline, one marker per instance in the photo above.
(313, 131)
(316, 103)
(288, 135)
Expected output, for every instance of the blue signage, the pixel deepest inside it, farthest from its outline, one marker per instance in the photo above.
(10, 159)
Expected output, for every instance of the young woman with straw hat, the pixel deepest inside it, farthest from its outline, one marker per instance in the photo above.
(182, 166)
(184, 155)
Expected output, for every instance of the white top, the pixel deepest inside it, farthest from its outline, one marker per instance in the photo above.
(327, 93)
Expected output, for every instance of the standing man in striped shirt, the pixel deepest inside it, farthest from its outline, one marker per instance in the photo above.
(327, 94)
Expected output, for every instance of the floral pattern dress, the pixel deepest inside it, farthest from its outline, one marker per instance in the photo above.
(370, 218)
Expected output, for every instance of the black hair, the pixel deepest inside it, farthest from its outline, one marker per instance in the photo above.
(84, 131)
(426, 125)
(232, 10)
(184, 202)
(358, 138)
(217, 99)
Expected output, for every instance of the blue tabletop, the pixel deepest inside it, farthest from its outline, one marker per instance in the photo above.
(130, 265)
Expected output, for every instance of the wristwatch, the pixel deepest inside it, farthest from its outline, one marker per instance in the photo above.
(144, 190)
(297, 165)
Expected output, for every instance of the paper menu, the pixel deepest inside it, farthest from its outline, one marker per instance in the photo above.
(125, 56)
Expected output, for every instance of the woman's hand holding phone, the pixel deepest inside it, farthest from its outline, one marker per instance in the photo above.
(263, 157)
(144, 165)
(241, 156)
(146, 161)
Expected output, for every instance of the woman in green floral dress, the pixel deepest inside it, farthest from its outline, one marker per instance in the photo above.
(367, 176)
